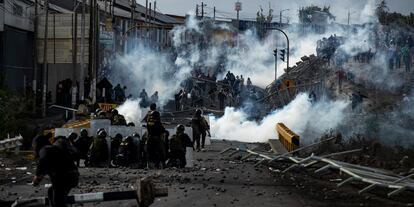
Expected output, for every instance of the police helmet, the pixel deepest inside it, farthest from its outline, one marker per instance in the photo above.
(118, 137)
(114, 112)
(180, 128)
(102, 132)
(72, 136)
(84, 132)
(199, 112)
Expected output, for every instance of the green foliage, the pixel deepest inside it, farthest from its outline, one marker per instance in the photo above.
(11, 108)
(387, 18)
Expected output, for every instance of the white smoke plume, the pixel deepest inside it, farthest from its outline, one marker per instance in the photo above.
(304, 118)
(131, 111)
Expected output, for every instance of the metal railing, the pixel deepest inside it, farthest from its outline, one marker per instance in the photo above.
(373, 177)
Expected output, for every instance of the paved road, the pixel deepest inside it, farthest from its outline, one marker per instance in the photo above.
(214, 181)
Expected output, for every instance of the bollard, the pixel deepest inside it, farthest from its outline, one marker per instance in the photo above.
(144, 194)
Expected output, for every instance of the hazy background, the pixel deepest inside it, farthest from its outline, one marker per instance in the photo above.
(225, 8)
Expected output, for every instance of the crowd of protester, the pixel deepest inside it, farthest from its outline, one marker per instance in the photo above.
(205, 90)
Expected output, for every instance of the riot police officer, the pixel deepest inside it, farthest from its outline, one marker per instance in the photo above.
(155, 129)
(98, 153)
(178, 144)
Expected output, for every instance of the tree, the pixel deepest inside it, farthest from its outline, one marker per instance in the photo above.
(381, 11)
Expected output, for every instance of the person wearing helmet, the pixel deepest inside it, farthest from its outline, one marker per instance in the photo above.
(127, 152)
(155, 129)
(98, 152)
(115, 143)
(200, 129)
(139, 146)
(82, 144)
(178, 144)
(57, 163)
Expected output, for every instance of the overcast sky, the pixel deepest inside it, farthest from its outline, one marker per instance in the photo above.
(225, 8)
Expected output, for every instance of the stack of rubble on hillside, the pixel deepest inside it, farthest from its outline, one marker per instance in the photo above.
(306, 76)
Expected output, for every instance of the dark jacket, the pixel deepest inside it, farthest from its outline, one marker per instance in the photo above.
(154, 125)
(58, 164)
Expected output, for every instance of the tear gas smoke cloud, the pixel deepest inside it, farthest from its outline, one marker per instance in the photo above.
(131, 111)
(154, 70)
(304, 118)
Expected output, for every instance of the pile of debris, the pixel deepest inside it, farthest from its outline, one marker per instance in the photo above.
(307, 75)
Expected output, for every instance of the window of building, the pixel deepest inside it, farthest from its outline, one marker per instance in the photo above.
(17, 9)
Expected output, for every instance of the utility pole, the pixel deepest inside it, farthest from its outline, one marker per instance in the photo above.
(280, 17)
(349, 16)
(82, 63)
(146, 11)
(35, 66)
(113, 7)
(238, 8)
(96, 49)
(74, 57)
(275, 54)
(44, 79)
(196, 10)
(202, 10)
(150, 23)
(214, 14)
(93, 46)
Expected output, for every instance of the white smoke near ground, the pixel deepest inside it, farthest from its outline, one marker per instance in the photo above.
(131, 111)
(145, 68)
(304, 118)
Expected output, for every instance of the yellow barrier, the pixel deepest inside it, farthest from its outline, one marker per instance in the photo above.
(106, 106)
(77, 124)
(287, 137)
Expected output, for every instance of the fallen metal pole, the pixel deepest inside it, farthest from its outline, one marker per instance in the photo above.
(301, 149)
(87, 198)
(144, 194)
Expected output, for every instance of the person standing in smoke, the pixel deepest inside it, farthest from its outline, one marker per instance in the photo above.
(241, 83)
(194, 97)
(249, 84)
(221, 97)
(118, 93)
(155, 129)
(200, 129)
(154, 97)
(405, 50)
(183, 100)
(177, 100)
(144, 98)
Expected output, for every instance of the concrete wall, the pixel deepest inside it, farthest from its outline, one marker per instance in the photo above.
(1, 17)
(18, 14)
(60, 37)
